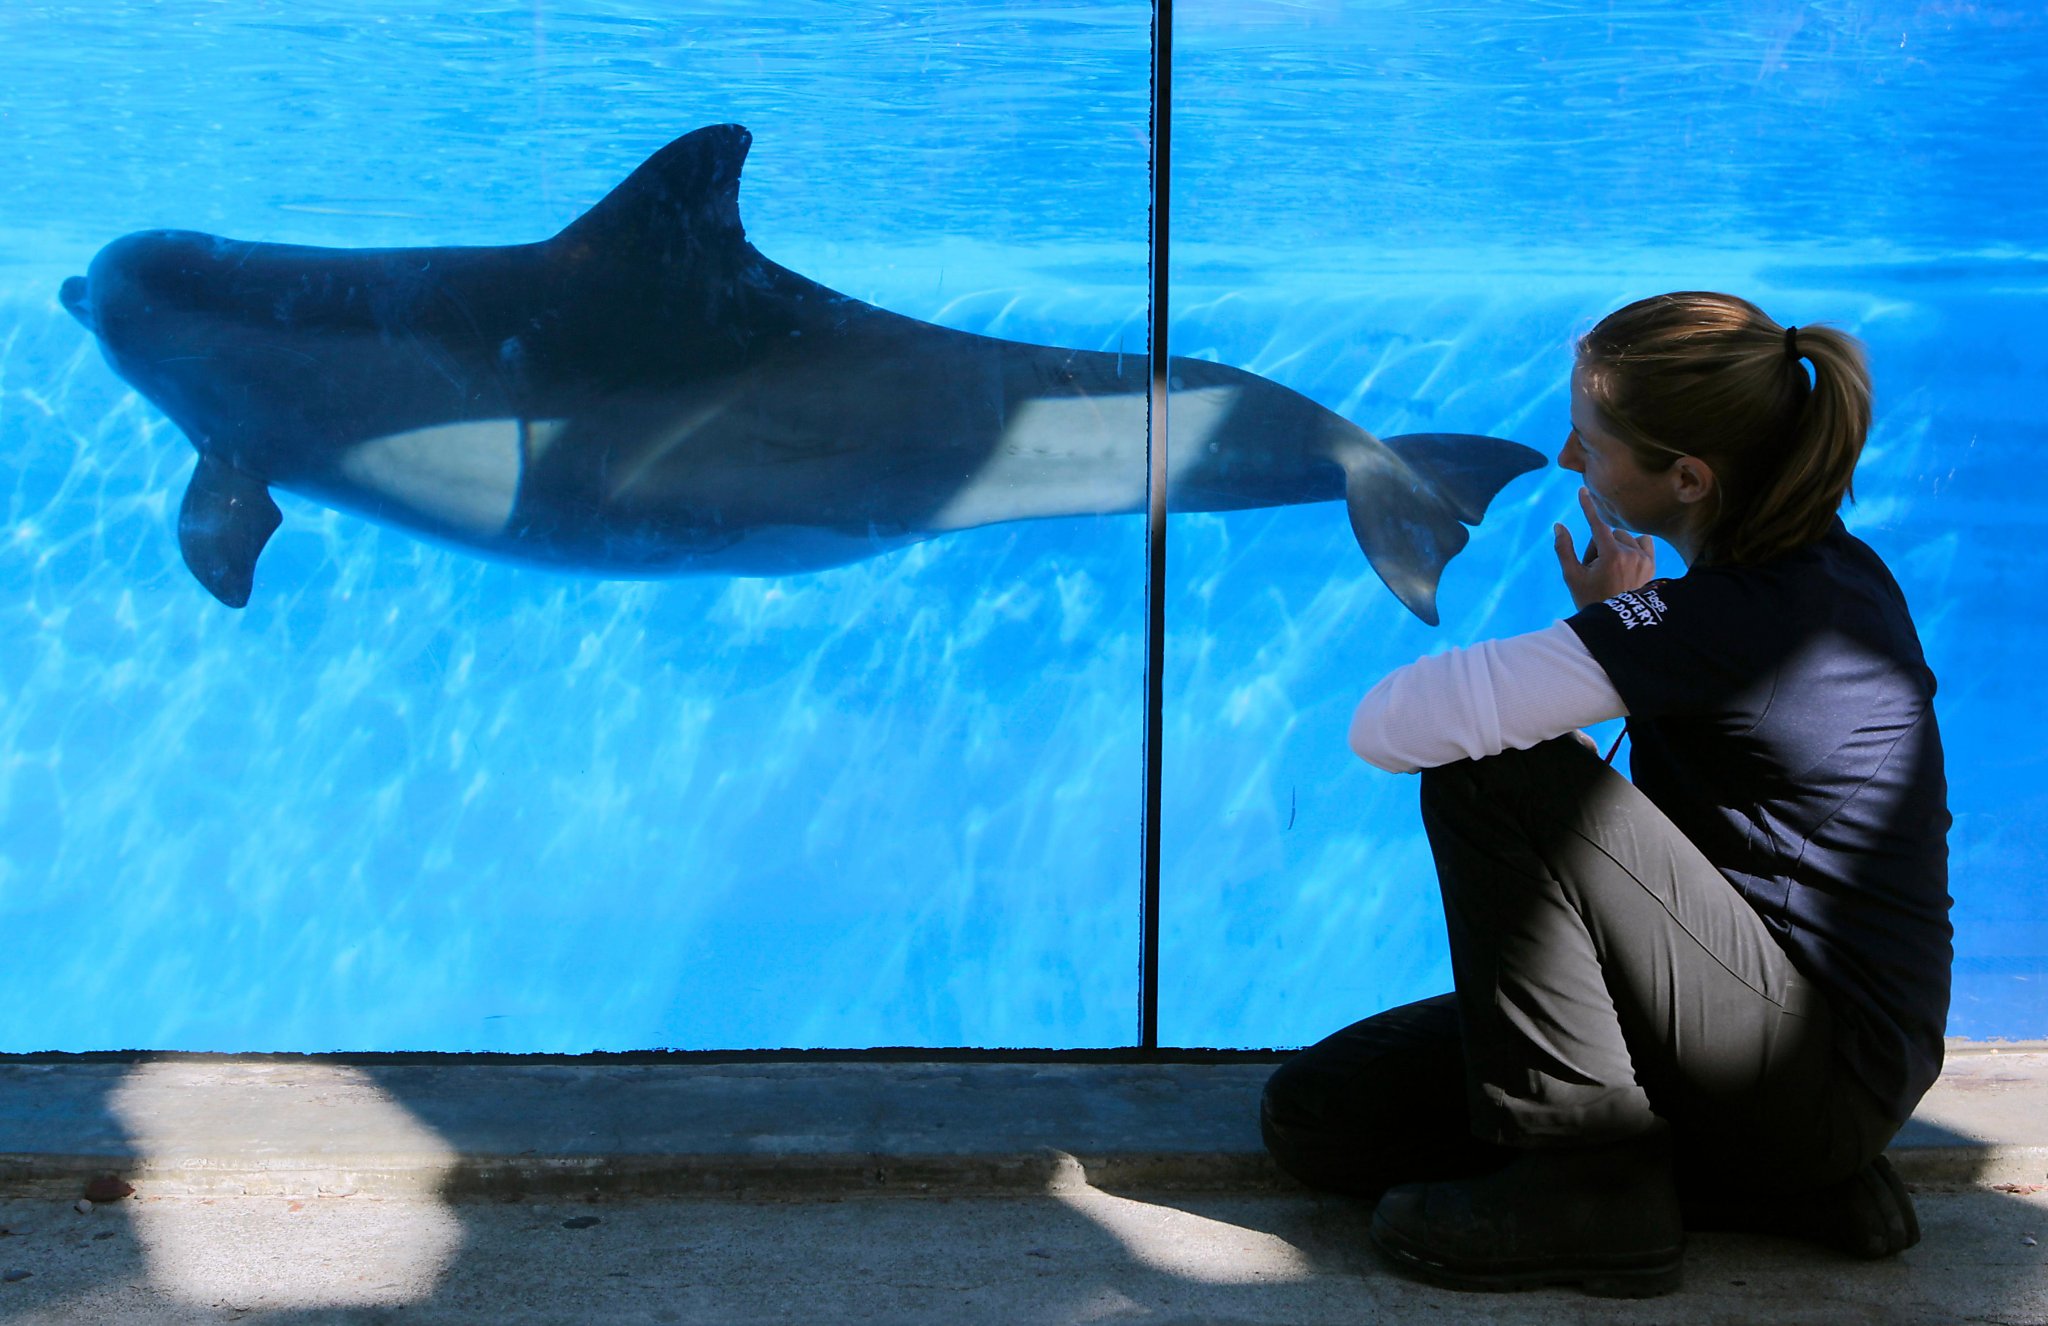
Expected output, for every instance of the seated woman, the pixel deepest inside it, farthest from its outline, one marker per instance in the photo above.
(1712, 994)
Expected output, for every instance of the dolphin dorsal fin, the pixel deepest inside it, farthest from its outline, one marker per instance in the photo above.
(227, 517)
(689, 191)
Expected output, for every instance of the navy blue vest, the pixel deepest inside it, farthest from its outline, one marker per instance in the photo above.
(1782, 716)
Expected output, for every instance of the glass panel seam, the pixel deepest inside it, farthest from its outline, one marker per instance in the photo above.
(1155, 518)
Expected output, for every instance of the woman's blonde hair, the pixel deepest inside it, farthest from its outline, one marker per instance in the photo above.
(1701, 374)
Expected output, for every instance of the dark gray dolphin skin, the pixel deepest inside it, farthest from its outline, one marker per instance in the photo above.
(645, 394)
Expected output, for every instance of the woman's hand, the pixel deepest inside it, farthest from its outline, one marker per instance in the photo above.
(1615, 561)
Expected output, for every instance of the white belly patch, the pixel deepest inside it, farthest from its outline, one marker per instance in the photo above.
(1068, 456)
(463, 476)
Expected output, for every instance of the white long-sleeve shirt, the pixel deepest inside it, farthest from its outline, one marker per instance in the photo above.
(1469, 703)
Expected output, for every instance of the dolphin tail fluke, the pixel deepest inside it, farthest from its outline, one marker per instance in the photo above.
(1412, 522)
(227, 517)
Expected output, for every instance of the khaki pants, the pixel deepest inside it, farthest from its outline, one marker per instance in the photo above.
(1610, 982)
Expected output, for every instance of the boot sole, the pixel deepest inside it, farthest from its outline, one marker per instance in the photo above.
(1631, 1275)
(1869, 1215)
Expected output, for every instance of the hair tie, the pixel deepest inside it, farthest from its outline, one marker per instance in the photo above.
(1792, 343)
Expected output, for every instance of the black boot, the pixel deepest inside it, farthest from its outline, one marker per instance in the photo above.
(1869, 1214)
(1602, 1216)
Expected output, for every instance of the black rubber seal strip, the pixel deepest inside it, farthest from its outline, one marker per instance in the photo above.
(1155, 516)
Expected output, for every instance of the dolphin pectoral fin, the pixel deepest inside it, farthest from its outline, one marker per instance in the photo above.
(226, 518)
(1410, 518)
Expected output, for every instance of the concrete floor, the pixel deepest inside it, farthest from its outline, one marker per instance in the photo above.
(1083, 1256)
(353, 1191)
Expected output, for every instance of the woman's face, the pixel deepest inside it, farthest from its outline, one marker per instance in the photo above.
(1628, 495)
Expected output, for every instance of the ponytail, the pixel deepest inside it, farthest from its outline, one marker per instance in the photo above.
(1709, 375)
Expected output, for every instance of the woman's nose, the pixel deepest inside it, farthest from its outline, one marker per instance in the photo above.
(1571, 457)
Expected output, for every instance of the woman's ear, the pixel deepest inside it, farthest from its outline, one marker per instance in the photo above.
(1692, 480)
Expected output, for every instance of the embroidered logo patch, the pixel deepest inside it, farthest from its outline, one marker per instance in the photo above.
(1639, 607)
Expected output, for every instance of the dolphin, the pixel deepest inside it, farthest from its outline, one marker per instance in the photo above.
(645, 394)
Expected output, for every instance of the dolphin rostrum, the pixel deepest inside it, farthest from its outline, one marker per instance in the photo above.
(645, 394)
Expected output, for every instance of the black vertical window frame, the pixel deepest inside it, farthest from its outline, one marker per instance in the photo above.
(1155, 519)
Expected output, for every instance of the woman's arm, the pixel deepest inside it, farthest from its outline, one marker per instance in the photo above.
(1470, 703)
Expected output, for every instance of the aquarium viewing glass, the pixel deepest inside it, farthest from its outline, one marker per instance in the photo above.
(656, 650)
(1408, 212)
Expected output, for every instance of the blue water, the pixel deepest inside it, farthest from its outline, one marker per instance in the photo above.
(410, 799)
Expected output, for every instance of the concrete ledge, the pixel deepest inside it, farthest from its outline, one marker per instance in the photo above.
(1985, 1121)
(482, 1130)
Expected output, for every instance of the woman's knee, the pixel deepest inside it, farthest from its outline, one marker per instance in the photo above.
(1302, 1097)
(1534, 765)
(1381, 1102)
(1370, 1069)
(1539, 788)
